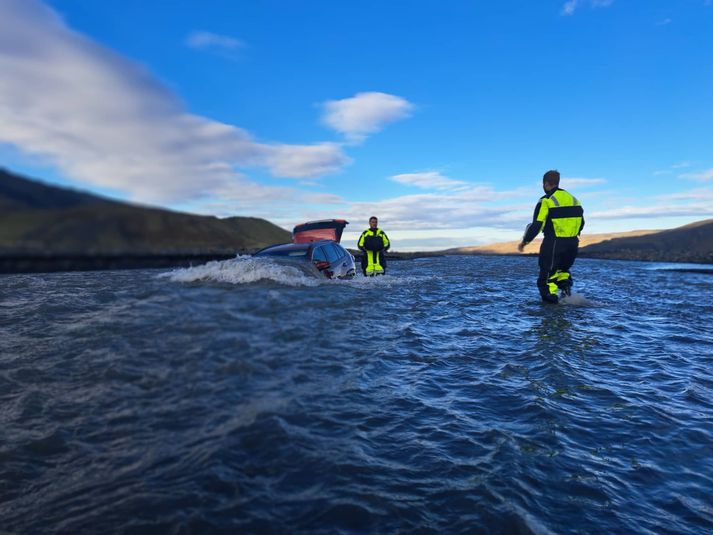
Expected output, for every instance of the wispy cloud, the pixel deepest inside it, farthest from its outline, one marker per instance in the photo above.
(428, 180)
(472, 206)
(664, 22)
(656, 211)
(221, 45)
(672, 168)
(703, 176)
(568, 182)
(365, 113)
(206, 40)
(699, 210)
(697, 194)
(105, 121)
(501, 214)
(571, 6)
(304, 161)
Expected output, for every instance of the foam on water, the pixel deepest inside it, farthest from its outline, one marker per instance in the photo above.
(243, 270)
(249, 269)
(578, 300)
(360, 281)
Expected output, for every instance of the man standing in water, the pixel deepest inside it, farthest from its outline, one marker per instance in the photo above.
(561, 217)
(373, 245)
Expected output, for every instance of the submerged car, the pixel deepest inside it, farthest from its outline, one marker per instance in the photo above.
(315, 249)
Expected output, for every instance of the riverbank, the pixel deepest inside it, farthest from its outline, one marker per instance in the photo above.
(29, 263)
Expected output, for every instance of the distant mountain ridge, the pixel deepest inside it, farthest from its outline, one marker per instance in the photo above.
(19, 193)
(689, 243)
(37, 218)
(510, 247)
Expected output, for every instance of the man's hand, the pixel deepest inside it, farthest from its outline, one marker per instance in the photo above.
(521, 246)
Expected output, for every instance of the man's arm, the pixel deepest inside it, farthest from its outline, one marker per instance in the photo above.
(533, 229)
(386, 241)
(360, 243)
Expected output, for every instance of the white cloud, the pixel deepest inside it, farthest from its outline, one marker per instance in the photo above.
(664, 22)
(581, 182)
(364, 113)
(304, 161)
(699, 209)
(428, 180)
(671, 168)
(698, 194)
(103, 120)
(500, 215)
(323, 198)
(703, 176)
(207, 40)
(469, 215)
(465, 208)
(570, 6)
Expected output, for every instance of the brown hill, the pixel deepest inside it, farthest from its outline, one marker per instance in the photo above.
(37, 218)
(510, 247)
(689, 243)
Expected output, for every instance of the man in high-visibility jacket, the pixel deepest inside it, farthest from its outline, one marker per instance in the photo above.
(373, 243)
(561, 217)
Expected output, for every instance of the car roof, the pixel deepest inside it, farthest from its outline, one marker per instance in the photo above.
(322, 242)
(287, 247)
(295, 246)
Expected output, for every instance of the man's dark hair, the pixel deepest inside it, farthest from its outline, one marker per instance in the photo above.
(552, 177)
(373, 217)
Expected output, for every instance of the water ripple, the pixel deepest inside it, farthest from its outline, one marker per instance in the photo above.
(243, 397)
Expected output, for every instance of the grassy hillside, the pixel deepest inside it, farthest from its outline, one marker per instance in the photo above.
(510, 247)
(690, 243)
(38, 218)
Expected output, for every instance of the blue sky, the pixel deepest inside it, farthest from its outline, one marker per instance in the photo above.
(439, 117)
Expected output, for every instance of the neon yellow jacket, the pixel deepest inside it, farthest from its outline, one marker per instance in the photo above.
(373, 240)
(558, 214)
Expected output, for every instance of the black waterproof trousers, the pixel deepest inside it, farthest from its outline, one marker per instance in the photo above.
(365, 261)
(556, 258)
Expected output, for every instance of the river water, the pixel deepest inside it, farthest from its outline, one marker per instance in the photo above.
(243, 397)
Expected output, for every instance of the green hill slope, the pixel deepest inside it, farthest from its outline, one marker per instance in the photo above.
(36, 218)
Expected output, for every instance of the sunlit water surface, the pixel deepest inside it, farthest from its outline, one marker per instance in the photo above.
(243, 397)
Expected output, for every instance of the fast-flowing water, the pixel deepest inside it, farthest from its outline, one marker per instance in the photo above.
(243, 397)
